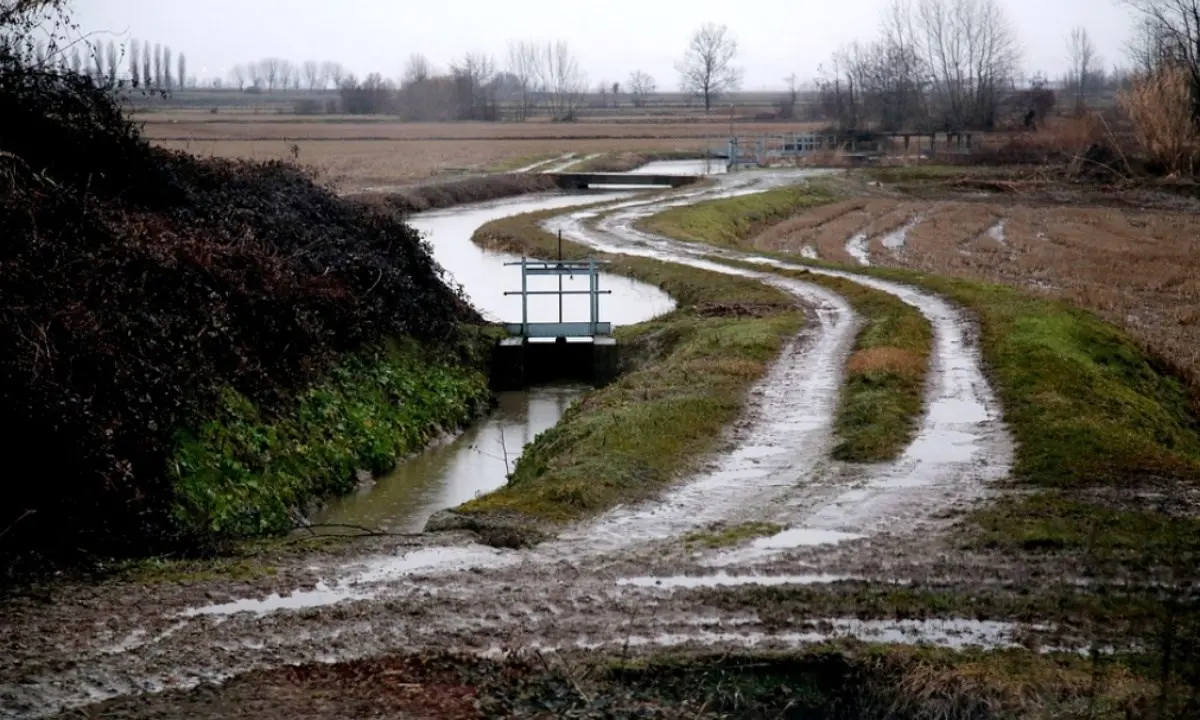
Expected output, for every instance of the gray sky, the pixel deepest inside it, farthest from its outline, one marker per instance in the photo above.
(611, 38)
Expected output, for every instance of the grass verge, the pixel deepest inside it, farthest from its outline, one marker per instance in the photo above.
(687, 374)
(243, 474)
(730, 222)
(881, 399)
(1106, 436)
(1105, 433)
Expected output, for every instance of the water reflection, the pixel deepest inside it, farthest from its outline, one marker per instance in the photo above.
(450, 474)
(485, 278)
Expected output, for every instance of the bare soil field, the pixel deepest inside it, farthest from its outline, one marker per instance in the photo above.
(359, 164)
(1134, 259)
(355, 152)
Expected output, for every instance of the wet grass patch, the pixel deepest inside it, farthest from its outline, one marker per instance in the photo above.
(729, 222)
(686, 377)
(728, 536)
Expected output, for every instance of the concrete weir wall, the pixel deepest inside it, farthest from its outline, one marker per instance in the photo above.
(518, 363)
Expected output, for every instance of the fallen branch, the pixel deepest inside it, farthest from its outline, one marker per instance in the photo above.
(16, 522)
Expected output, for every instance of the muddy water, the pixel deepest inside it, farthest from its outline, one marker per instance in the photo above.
(485, 278)
(479, 460)
(475, 462)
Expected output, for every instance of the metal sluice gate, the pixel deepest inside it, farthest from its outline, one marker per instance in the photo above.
(525, 357)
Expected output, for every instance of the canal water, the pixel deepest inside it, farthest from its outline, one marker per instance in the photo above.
(479, 460)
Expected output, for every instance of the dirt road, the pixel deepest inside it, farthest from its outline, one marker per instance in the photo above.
(626, 579)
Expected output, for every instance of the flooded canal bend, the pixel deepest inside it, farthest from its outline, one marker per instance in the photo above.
(479, 460)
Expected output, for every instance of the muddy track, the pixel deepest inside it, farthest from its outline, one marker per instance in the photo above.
(622, 580)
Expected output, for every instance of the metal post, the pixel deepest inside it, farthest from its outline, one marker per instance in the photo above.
(594, 287)
(524, 299)
(560, 287)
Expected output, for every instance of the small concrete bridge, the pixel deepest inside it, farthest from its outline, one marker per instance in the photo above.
(581, 181)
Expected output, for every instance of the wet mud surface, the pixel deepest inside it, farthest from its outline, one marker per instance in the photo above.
(627, 580)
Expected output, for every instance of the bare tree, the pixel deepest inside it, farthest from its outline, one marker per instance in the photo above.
(707, 69)
(238, 75)
(271, 70)
(98, 63)
(333, 72)
(147, 77)
(523, 65)
(135, 63)
(971, 52)
(113, 59)
(563, 80)
(472, 76)
(416, 70)
(182, 65)
(76, 61)
(641, 85)
(158, 66)
(166, 61)
(1083, 64)
(312, 74)
(1172, 35)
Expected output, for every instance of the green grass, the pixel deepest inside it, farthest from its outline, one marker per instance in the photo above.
(882, 396)
(1090, 411)
(242, 474)
(729, 222)
(687, 377)
(881, 399)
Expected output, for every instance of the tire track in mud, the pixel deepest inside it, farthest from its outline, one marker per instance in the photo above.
(961, 444)
(623, 579)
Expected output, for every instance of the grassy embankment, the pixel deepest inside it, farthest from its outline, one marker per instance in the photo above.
(687, 374)
(885, 376)
(1108, 458)
(243, 472)
(1108, 440)
(1089, 410)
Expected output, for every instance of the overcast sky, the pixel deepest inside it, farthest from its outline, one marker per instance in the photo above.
(611, 38)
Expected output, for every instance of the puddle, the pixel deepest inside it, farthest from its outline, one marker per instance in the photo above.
(723, 579)
(321, 595)
(857, 247)
(803, 537)
(896, 239)
(448, 475)
(996, 232)
(955, 634)
(485, 278)
(363, 585)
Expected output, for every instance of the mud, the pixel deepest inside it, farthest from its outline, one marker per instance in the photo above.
(625, 579)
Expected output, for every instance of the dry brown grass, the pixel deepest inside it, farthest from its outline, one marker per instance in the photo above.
(1160, 106)
(886, 359)
(215, 127)
(365, 152)
(1139, 269)
(369, 163)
